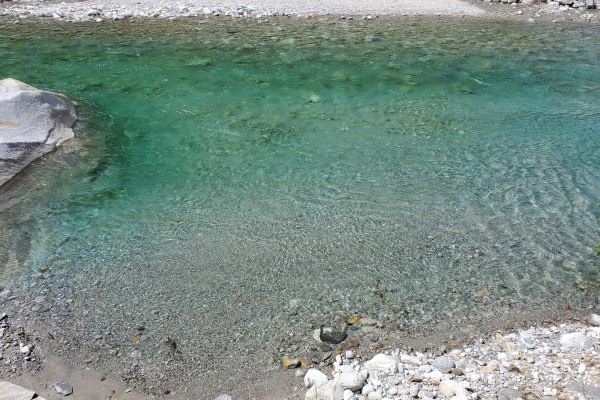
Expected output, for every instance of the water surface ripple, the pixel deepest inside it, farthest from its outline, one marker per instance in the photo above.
(441, 177)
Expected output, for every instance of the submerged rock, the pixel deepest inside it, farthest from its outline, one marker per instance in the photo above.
(332, 336)
(32, 123)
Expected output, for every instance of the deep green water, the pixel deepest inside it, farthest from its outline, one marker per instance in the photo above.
(285, 160)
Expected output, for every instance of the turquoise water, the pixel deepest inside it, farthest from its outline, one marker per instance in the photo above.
(223, 169)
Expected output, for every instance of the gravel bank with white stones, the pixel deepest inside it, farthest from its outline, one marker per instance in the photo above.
(555, 362)
(120, 9)
(116, 10)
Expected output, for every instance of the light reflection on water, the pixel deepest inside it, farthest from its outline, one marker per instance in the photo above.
(456, 163)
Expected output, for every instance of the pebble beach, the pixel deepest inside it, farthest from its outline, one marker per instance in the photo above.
(548, 362)
(537, 363)
(99, 11)
(552, 358)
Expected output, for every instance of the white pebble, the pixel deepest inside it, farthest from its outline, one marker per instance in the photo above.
(346, 368)
(374, 396)
(368, 388)
(314, 376)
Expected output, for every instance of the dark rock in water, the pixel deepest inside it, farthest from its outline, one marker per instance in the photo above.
(333, 337)
(97, 171)
(326, 356)
(326, 347)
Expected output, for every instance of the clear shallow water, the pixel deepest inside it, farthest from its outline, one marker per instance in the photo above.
(224, 169)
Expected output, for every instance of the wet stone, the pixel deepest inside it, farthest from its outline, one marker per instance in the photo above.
(332, 336)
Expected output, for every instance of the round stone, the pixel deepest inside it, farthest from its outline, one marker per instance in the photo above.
(443, 364)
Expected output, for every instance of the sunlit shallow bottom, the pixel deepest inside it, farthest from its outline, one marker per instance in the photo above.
(236, 184)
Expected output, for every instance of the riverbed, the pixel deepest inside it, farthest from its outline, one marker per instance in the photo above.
(236, 184)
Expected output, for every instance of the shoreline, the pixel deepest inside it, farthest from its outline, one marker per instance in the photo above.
(97, 11)
(551, 358)
(494, 361)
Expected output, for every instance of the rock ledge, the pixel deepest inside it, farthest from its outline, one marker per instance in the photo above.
(32, 123)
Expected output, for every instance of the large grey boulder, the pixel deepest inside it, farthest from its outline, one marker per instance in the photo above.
(32, 123)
